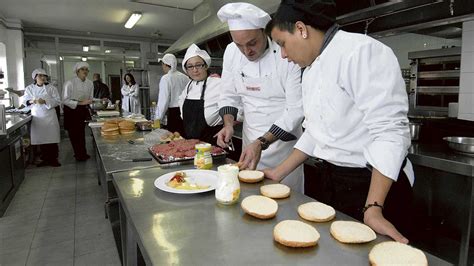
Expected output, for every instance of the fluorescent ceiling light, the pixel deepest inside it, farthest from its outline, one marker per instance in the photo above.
(133, 20)
(85, 48)
(84, 59)
(107, 51)
(61, 58)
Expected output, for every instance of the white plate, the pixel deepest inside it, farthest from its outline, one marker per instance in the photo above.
(200, 177)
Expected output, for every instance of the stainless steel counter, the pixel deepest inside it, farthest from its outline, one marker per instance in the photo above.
(442, 158)
(15, 121)
(195, 230)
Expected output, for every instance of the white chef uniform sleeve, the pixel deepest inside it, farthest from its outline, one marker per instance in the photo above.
(125, 91)
(286, 126)
(229, 99)
(68, 94)
(379, 93)
(163, 98)
(53, 99)
(27, 96)
(306, 143)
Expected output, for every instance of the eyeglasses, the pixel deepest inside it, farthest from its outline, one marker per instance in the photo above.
(197, 66)
(84, 69)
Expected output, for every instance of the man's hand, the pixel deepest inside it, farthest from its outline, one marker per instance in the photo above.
(40, 101)
(374, 218)
(224, 136)
(272, 174)
(251, 155)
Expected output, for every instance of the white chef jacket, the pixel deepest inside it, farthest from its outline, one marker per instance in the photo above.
(76, 90)
(44, 125)
(130, 99)
(172, 85)
(355, 106)
(211, 98)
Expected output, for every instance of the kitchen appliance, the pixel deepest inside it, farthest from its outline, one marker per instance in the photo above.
(434, 81)
(463, 145)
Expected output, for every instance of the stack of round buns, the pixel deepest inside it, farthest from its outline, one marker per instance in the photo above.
(275, 191)
(251, 176)
(352, 232)
(294, 233)
(259, 206)
(110, 129)
(316, 212)
(126, 127)
(394, 253)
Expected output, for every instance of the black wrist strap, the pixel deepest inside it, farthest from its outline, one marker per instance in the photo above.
(375, 204)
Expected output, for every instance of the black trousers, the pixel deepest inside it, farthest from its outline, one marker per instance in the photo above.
(49, 152)
(346, 189)
(74, 123)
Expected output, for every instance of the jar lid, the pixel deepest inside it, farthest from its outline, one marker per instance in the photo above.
(203, 147)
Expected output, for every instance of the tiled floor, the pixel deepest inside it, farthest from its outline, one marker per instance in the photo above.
(57, 217)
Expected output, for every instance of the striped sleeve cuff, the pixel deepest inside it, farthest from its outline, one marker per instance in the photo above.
(281, 134)
(228, 110)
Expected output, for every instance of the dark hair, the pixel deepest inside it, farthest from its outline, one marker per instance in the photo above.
(320, 15)
(132, 79)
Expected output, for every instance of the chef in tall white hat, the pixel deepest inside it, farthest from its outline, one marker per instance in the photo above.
(268, 87)
(43, 98)
(172, 84)
(77, 95)
(199, 100)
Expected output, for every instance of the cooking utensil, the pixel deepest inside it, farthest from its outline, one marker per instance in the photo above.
(230, 145)
(461, 144)
(414, 130)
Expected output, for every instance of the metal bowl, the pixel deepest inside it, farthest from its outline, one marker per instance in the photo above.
(461, 144)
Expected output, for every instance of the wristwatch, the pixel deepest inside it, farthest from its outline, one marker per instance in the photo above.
(264, 143)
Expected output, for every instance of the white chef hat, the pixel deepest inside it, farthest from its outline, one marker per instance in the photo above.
(243, 16)
(38, 71)
(80, 65)
(170, 60)
(193, 50)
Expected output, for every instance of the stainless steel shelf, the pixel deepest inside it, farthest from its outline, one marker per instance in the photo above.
(440, 74)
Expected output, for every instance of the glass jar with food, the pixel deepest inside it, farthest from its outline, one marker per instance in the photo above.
(203, 157)
(228, 186)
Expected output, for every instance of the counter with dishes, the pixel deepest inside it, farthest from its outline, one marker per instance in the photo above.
(193, 229)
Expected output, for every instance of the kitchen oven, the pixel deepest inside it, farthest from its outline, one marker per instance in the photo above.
(434, 80)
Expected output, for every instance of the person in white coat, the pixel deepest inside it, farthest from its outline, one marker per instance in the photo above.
(267, 87)
(355, 108)
(130, 95)
(199, 100)
(43, 98)
(171, 85)
(77, 95)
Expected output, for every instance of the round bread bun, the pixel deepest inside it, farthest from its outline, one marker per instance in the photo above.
(275, 191)
(127, 131)
(251, 176)
(110, 133)
(394, 253)
(109, 127)
(316, 212)
(259, 206)
(126, 124)
(352, 232)
(292, 233)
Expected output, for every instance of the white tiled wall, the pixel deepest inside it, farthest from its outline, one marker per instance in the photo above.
(466, 90)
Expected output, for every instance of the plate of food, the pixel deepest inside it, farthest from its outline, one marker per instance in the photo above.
(187, 181)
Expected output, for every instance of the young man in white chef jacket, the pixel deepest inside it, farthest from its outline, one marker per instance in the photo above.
(355, 108)
(268, 87)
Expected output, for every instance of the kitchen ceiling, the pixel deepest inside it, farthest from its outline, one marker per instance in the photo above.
(164, 20)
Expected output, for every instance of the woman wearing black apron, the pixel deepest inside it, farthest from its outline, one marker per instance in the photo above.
(198, 102)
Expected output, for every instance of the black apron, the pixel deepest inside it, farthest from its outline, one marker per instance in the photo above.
(195, 125)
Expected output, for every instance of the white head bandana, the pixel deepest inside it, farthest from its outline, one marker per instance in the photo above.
(193, 50)
(80, 65)
(38, 71)
(170, 60)
(243, 16)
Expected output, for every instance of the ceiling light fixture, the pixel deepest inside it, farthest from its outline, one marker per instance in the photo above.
(61, 58)
(85, 48)
(133, 20)
(84, 59)
(107, 51)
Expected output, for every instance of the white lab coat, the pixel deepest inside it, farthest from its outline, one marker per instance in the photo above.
(355, 106)
(172, 85)
(130, 99)
(211, 99)
(269, 90)
(44, 125)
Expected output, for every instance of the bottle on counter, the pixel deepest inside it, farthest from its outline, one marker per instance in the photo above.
(228, 186)
(203, 157)
(156, 121)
